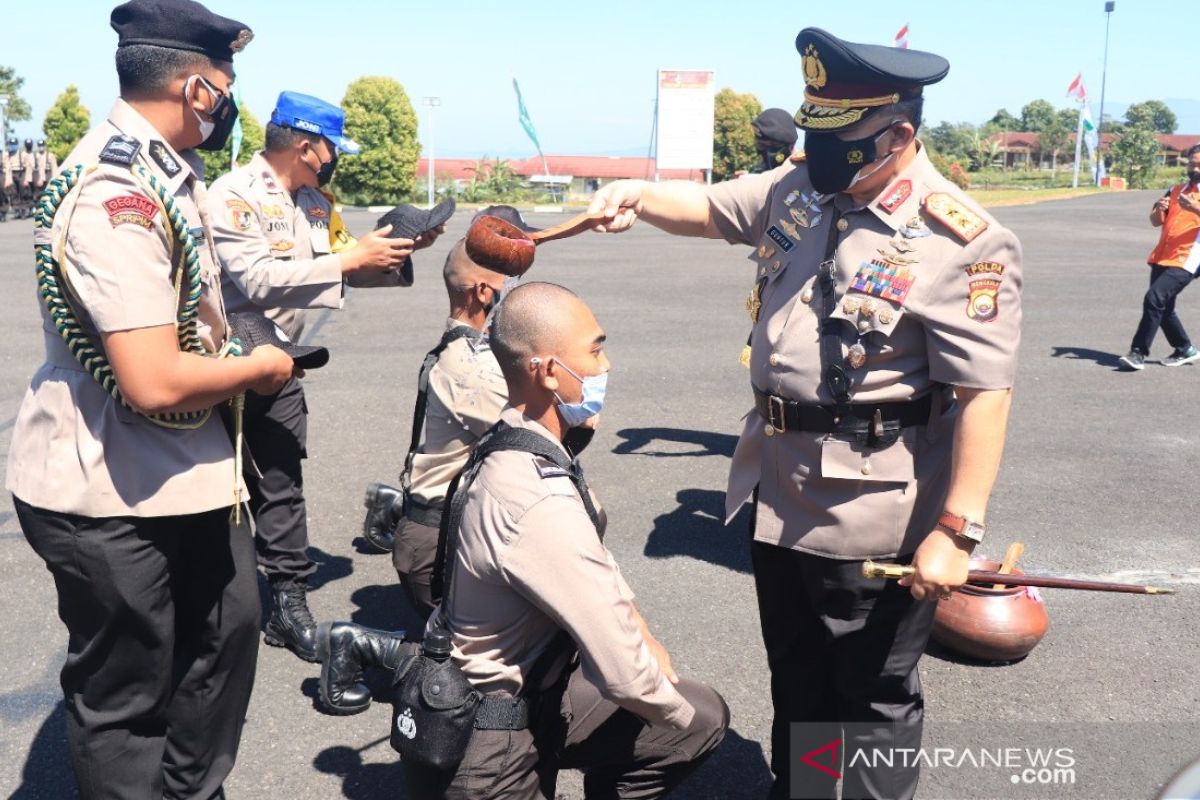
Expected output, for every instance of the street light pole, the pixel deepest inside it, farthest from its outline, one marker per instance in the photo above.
(1108, 9)
(431, 103)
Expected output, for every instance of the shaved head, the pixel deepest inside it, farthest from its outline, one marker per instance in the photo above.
(461, 273)
(534, 319)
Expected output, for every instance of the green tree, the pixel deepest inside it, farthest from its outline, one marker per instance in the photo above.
(17, 109)
(733, 138)
(1037, 115)
(1052, 139)
(952, 140)
(1005, 121)
(1152, 114)
(66, 122)
(218, 162)
(1134, 153)
(379, 117)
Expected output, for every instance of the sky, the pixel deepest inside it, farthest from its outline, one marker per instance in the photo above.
(587, 70)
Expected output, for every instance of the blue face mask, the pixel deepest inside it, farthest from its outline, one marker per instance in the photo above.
(594, 388)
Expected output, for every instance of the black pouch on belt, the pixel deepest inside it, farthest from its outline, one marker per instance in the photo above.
(433, 707)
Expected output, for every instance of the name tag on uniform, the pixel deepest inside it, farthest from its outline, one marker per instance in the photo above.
(780, 238)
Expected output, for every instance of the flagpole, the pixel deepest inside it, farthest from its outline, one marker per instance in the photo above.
(1078, 147)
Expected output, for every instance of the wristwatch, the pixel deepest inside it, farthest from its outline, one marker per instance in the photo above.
(962, 527)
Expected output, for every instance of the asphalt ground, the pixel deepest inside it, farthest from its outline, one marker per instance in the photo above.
(1098, 479)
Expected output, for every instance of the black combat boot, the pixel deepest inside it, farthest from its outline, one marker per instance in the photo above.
(291, 624)
(344, 650)
(384, 506)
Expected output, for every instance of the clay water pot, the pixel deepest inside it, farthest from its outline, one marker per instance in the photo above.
(991, 624)
(502, 246)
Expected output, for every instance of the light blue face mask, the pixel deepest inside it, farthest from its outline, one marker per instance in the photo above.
(594, 388)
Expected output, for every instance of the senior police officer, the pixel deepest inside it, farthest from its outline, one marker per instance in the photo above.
(884, 318)
(460, 394)
(123, 479)
(283, 248)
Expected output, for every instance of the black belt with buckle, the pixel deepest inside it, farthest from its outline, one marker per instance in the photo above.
(788, 415)
(422, 513)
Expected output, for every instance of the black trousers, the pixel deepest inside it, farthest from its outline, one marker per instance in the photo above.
(414, 552)
(276, 431)
(162, 621)
(843, 654)
(1158, 310)
(619, 754)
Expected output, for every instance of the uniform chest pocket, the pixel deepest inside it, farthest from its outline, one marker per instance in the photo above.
(846, 457)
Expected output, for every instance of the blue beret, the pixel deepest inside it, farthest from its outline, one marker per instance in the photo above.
(313, 115)
(179, 25)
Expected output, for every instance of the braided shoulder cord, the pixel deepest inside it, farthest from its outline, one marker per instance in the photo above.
(187, 290)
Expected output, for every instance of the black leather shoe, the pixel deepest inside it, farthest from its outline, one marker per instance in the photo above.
(384, 505)
(344, 650)
(291, 624)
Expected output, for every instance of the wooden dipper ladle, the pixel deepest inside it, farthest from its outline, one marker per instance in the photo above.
(501, 246)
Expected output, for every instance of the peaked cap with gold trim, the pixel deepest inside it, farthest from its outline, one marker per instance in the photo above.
(846, 82)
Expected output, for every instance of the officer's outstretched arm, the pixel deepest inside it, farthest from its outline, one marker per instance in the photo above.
(678, 207)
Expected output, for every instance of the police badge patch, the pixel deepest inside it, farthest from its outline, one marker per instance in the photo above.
(241, 216)
(983, 298)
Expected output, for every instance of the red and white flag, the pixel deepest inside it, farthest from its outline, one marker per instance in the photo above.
(902, 37)
(1076, 89)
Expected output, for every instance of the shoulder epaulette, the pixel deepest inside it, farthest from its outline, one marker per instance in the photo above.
(798, 157)
(548, 469)
(120, 150)
(954, 214)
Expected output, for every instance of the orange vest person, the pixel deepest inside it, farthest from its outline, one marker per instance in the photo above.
(1174, 263)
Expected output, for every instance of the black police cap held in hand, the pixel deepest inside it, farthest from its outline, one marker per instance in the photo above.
(253, 329)
(846, 82)
(409, 222)
(179, 25)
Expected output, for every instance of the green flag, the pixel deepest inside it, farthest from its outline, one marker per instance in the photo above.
(523, 115)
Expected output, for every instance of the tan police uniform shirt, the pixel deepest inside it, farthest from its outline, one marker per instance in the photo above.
(466, 393)
(23, 161)
(275, 249)
(45, 167)
(530, 563)
(75, 449)
(929, 285)
(6, 178)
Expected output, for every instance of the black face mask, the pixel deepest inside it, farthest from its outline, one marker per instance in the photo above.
(224, 114)
(833, 163)
(1194, 175)
(576, 440)
(325, 171)
(770, 157)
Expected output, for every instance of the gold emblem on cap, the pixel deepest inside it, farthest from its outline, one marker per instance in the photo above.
(814, 70)
(243, 38)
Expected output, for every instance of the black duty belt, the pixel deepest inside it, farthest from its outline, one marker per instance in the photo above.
(788, 415)
(502, 712)
(423, 513)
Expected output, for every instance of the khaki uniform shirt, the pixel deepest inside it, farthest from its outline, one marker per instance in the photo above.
(22, 165)
(6, 178)
(45, 167)
(75, 449)
(466, 393)
(529, 563)
(275, 249)
(930, 302)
